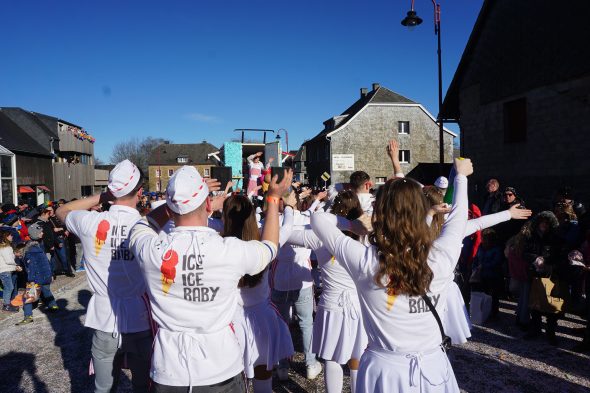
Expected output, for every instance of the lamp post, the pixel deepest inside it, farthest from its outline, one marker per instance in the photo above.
(278, 137)
(410, 21)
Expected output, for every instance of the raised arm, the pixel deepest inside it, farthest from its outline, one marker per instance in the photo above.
(393, 153)
(487, 221)
(305, 238)
(346, 250)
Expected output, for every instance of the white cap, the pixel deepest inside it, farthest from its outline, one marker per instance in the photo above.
(123, 178)
(156, 204)
(186, 190)
(441, 182)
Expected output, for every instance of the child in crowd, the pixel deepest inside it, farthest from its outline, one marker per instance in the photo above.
(8, 269)
(38, 272)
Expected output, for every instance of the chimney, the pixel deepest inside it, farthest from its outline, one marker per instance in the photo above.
(364, 92)
(376, 86)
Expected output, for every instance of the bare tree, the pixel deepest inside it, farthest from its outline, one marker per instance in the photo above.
(136, 150)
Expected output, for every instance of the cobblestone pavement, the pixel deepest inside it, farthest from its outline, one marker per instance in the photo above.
(52, 354)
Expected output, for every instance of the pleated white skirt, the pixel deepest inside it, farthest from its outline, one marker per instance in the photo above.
(456, 320)
(263, 335)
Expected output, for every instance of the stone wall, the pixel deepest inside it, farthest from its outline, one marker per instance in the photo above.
(557, 144)
(367, 135)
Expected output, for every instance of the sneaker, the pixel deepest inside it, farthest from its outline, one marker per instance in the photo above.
(53, 308)
(9, 308)
(25, 321)
(314, 370)
(70, 275)
(283, 373)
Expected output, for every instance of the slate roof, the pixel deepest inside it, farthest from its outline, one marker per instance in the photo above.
(16, 139)
(195, 152)
(381, 95)
(51, 121)
(31, 124)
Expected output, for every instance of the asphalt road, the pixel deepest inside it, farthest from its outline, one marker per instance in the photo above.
(52, 354)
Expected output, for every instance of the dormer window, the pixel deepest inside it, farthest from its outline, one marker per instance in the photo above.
(182, 160)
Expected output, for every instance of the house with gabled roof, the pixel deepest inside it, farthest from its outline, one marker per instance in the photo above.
(165, 159)
(357, 138)
(54, 158)
(521, 96)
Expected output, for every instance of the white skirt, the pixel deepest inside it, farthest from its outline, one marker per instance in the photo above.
(386, 371)
(263, 335)
(338, 332)
(456, 318)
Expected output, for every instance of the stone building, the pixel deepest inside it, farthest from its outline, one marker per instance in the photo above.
(521, 96)
(356, 139)
(167, 158)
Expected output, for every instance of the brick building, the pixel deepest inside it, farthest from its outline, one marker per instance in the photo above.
(521, 96)
(356, 139)
(167, 158)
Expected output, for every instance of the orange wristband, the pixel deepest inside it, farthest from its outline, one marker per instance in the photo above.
(271, 199)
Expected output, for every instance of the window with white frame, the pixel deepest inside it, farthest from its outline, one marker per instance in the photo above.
(158, 173)
(206, 172)
(404, 156)
(403, 127)
(170, 172)
(182, 160)
(380, 180)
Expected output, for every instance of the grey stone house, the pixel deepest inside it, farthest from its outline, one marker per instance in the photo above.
(521, 96)
(356, 139)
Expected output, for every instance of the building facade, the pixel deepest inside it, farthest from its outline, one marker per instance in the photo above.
(357, 139)
(522, 99)
(167, 158)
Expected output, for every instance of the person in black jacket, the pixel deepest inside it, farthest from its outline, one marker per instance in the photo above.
(493, 200)
(542, 254)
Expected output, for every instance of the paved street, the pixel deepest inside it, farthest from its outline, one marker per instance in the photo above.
(52, 355)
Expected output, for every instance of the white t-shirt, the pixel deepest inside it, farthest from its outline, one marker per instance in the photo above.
(112, 270)
(192, 280)
(366, 200)
(399, 323)
(335, 278)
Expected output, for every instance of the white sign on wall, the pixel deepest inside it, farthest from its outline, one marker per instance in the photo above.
(343, 162)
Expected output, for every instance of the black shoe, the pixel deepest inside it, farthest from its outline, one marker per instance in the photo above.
(70, 274)
(9, 308)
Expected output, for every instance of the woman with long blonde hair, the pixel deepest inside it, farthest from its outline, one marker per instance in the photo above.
(402, 279)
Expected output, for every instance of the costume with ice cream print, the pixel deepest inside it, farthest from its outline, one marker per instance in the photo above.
(192, 275)
(117, 309)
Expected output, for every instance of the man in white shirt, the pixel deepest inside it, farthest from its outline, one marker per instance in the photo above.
(360, 183)
(192, 279)
(118, 310)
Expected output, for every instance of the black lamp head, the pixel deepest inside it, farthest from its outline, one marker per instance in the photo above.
(278, 137)
(411, 19)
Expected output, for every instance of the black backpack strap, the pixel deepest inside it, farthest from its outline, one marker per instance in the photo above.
(433, 311)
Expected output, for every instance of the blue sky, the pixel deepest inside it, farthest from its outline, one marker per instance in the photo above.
(189, 71)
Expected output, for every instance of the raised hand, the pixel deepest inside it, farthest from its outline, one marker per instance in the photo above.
(463, 166)
(393, 150)
(516, 213)
(290, 200)
(321, 195)
(213, 185)
(277, 190)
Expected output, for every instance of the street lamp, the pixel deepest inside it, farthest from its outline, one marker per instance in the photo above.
(410, 21)
(278, 137)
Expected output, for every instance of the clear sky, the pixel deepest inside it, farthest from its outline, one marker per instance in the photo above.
(195, 70)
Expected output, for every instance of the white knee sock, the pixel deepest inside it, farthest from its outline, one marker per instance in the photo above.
(353, 377)
(333, 376)
(262, 385)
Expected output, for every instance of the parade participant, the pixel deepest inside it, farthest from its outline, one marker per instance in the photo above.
(255, 172)
(192, 278)
(8, 271)
(263, 334)
(338, 334)
(400, 277)
(360, 183)
(441, 184)
(117, 311)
